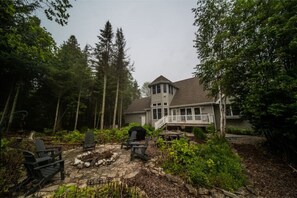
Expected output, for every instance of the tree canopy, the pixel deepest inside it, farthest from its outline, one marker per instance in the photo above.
(249, 48)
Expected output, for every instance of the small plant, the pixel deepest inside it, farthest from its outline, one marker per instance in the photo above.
(239, 131)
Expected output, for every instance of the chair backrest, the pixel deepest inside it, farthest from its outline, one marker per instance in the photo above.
(132, 136)
(39, 144)
(89, 138)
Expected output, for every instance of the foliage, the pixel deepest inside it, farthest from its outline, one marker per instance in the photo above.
(212, 163)
(240, 131)
(73, 137)
(199, 133)
(11, 169)
(210, 128)
(110, 189)
(253, 44)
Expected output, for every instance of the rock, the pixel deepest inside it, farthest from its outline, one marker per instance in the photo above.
(191, 189)
(174, 179)
(130, 175)
(77, 161)
(50, 188)
(100, 162)
(216, 194)
(229, 194)
(203, 191)
(80, 166)
(87, 164)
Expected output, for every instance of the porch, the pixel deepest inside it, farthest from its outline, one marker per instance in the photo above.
(185, 120)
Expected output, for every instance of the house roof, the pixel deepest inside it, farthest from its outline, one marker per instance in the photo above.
(190, 91)
(139, 105)
(160, 79)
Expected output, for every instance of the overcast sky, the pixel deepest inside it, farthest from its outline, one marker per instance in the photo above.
(159, 33)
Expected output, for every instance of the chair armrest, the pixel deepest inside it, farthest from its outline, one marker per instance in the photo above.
(47, 165)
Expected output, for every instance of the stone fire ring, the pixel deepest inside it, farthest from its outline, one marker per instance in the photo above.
(95, 158)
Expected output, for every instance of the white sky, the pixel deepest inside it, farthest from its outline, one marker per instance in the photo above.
(159, 33)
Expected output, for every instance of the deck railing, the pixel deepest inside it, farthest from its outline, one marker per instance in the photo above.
(184, 119)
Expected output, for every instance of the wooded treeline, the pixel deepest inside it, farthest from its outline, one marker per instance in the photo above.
(60, 87)
(248, 52)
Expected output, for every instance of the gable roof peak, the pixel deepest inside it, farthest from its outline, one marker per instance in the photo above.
(160, 79)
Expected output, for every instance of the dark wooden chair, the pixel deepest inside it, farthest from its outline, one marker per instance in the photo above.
(52, 153)
(39, 173)
(89, 143)
(138, 150)
(130, 139)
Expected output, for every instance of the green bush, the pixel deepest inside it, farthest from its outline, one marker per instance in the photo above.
(199, 133)
(211, 128)
(212, 163)
(72, 137)
(111, 189)
(239, 131)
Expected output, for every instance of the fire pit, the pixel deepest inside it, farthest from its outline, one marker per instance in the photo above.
(95, 158)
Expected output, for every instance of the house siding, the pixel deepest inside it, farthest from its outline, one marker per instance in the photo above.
(129, 118)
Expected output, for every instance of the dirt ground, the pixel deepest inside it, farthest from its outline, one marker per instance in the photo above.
(271, 176)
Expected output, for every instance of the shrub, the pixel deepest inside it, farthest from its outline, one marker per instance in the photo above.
(212, 163)
(211, 128)
(11, 168)
(199, 133)
(111, 189)
(239, 131)
(73, 137)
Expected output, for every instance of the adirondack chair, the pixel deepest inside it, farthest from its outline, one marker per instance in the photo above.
(38, 175)
(89, 143)
(53, 153)
(138, 150)
(130, 139)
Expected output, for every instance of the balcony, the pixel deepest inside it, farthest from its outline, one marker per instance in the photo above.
(186, 120)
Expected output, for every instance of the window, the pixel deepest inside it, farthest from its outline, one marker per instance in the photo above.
(154, 89)
(165, 112)
(165, 103)
(165, 88)
(189, 114)
(197, 113)
(174, 114)
(159, 104)
(183, 113)
(154, 113)
(159, 113)
(170, 89)
(158, 89)
(232, 110)
(154, 104)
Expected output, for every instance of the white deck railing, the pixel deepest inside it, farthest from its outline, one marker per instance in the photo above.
(184, 119)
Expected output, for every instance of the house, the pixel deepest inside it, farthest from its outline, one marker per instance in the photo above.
(180, 104)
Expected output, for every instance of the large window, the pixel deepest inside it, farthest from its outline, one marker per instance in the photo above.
(154, 89)
(159, 113)
(158, 89)
(197, 113)
(165, 111)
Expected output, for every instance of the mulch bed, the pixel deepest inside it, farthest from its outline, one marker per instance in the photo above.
(271, 176)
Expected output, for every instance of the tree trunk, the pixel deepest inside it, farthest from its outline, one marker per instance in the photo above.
(95, 114)
(103, 101)
(116, 104)
(222, 113)
(57, 111)
(120, 112)
(6, 106)
(77, 109)
(13, 106)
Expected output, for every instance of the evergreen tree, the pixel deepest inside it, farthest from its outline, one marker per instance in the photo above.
(104, 58)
